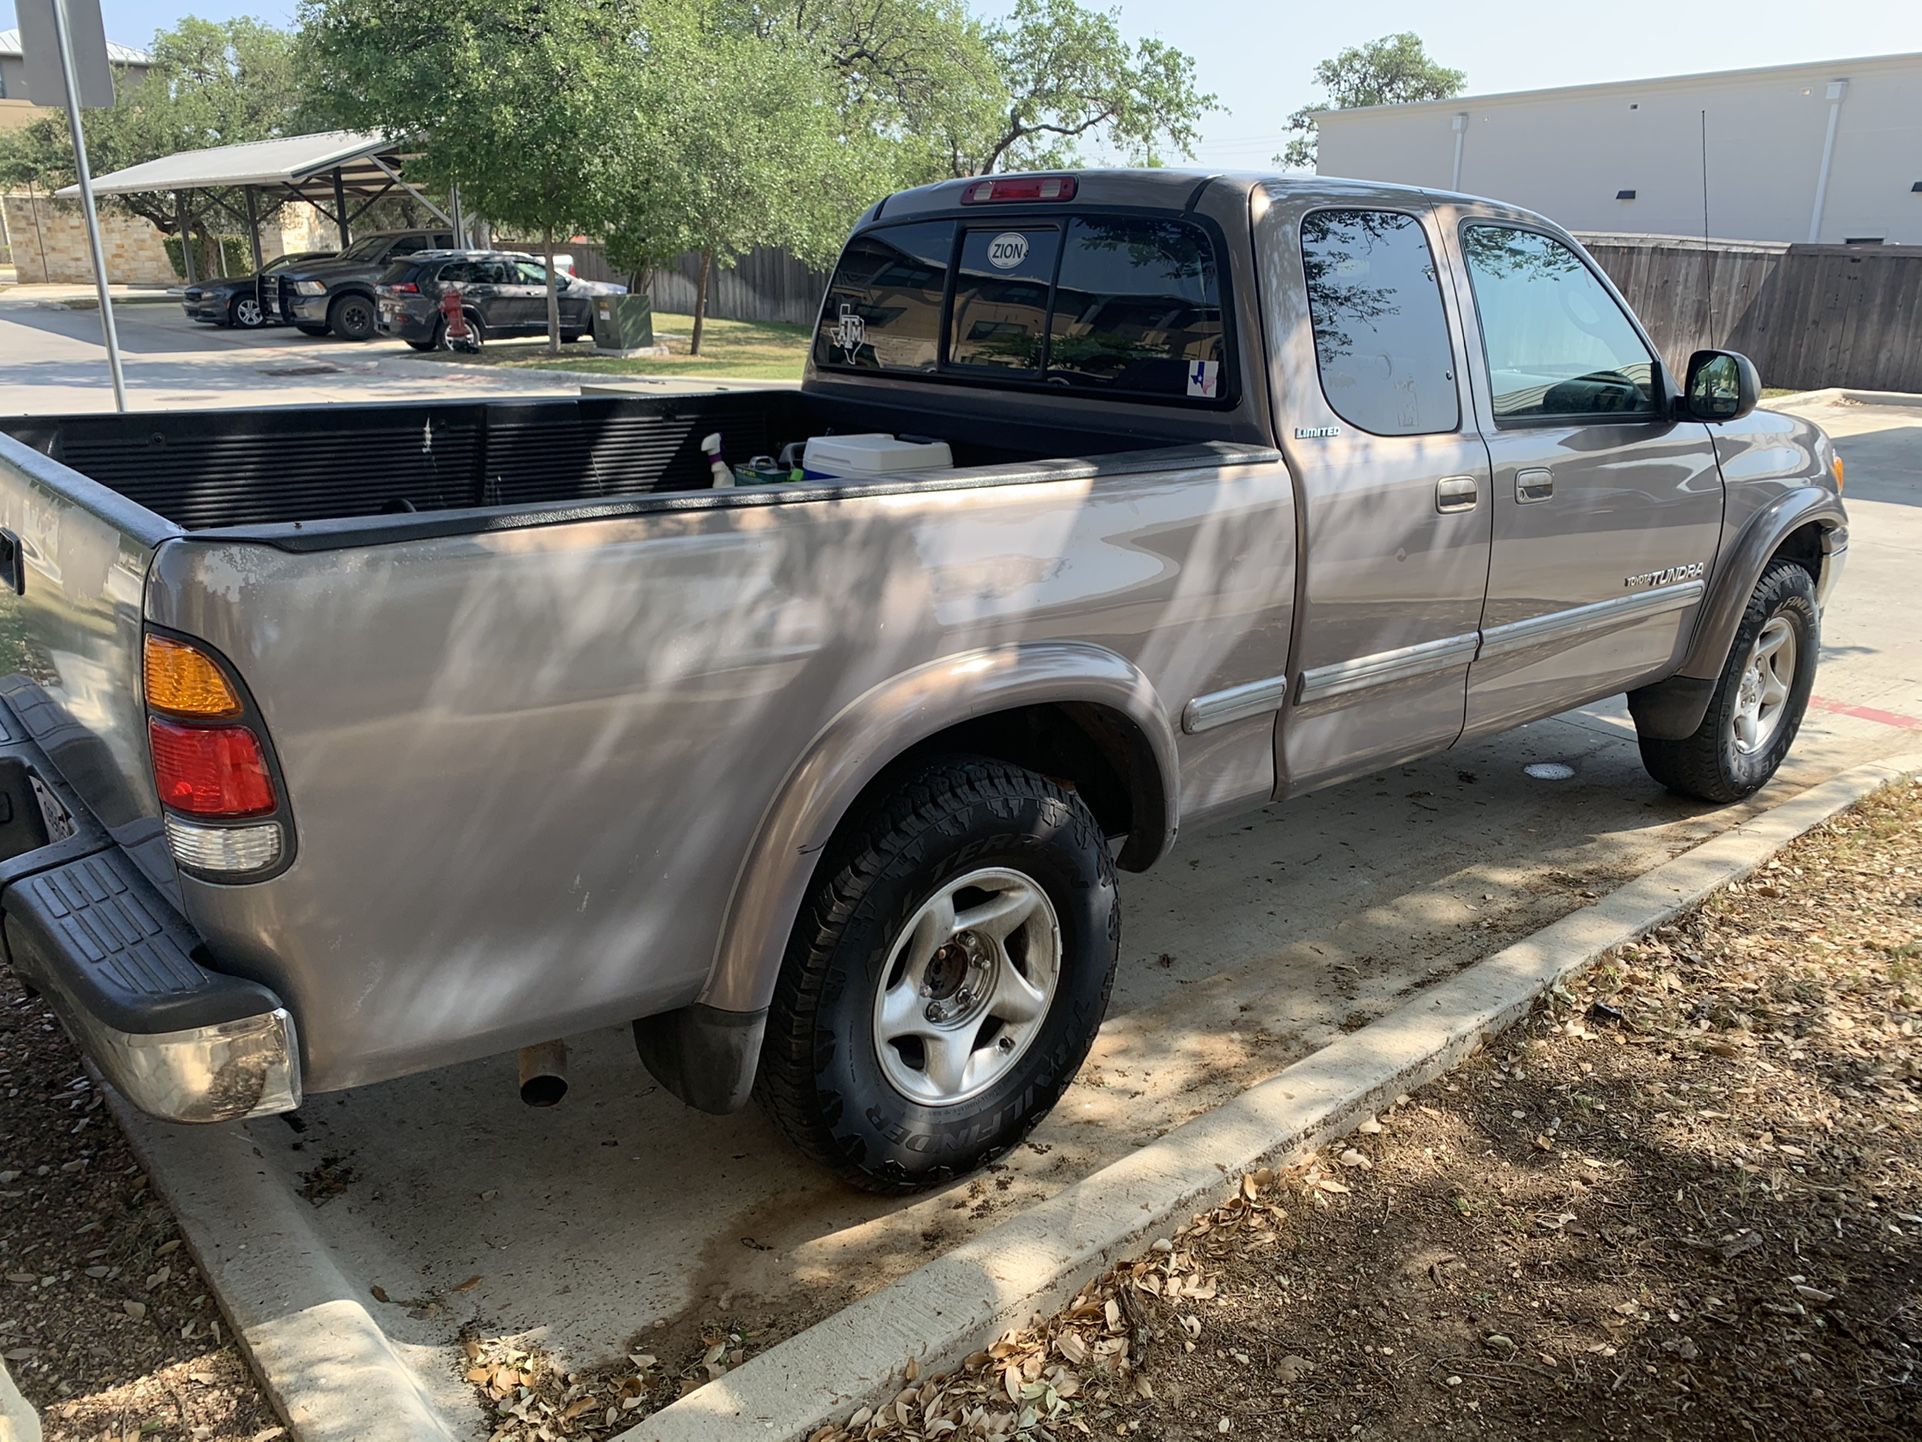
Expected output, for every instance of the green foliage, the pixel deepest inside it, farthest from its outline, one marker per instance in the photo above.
(236, 255)
(1394, 70)
(1066, 74)
(211, 83)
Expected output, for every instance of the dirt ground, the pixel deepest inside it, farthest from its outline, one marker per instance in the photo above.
(105, 1323)
(1683, 1200)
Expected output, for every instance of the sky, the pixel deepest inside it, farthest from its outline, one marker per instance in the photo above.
(1259, 56)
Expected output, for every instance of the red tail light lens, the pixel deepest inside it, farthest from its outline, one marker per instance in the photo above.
(1019, 187)
(210, 770)
(403, 287)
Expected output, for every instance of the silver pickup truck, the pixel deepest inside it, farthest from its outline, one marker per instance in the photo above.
(345, 742)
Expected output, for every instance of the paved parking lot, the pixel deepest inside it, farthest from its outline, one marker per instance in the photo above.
(52, 360)
(441, 1204)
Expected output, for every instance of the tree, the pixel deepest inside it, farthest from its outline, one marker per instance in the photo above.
(211, 83)
(525, 104)
(1067, 75)
(749, 144)
(1393, 70)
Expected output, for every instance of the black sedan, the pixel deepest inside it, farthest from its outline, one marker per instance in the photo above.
(235, 300)
(503, 293)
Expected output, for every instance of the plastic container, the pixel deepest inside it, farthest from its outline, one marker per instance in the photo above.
(833, 457)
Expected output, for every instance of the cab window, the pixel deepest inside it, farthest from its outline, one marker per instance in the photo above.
(1555, 341)
(1387, 364)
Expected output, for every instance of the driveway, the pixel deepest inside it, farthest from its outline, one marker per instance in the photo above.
(621, 1219)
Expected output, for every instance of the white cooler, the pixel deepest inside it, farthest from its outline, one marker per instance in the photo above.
(834, 457)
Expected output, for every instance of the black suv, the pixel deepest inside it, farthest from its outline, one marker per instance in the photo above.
(503, 293)
(338, 295)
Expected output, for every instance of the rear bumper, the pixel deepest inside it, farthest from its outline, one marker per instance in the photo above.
(84, 927)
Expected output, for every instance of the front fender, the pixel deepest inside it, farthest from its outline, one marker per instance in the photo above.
(874, 730)
(1747, 555)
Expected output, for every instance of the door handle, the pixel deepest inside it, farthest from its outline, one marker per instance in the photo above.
(1534, 484)
(1456, 493)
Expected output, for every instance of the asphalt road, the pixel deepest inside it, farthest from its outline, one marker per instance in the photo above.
(622, 1213)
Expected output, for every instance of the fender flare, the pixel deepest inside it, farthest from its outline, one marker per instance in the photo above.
(874, 730)
(1674, 708)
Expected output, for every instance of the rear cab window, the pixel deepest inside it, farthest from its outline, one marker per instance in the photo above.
(1109, 304)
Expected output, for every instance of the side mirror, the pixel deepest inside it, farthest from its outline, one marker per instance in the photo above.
(1722, 386)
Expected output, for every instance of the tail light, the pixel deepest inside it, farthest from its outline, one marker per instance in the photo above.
(403, 287)
(223, 811)
(1019, 187)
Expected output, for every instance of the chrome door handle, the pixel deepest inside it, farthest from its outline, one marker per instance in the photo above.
(1534, 484)
(1457, 493)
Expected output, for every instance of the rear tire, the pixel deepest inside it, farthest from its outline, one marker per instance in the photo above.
(309, 328)
(1759, 699)
(422, 345)
(905, 1047)
(352, 318)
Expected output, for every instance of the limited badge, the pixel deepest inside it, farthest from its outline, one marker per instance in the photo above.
(1007, 250)
(1204, 378)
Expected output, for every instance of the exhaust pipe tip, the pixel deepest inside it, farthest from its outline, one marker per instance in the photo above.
(544, 1073)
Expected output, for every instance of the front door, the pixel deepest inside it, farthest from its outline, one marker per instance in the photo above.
(524, 295)
(1607, 509)
(1395, 485)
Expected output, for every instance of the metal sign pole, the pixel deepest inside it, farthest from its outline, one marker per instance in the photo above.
(63, 38)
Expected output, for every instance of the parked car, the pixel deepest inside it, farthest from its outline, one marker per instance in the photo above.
(338, 295)
(236, 300)
(355, 740)
(503, 293)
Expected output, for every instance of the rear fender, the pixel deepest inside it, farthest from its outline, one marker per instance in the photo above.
(879, 727)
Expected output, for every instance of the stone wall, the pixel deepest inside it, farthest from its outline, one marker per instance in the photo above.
(49, 241)
(135, 254)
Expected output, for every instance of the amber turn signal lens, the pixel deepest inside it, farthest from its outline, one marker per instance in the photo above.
(184, 681)
(1836, 466)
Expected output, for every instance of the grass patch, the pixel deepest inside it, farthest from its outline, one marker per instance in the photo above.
(747, 350)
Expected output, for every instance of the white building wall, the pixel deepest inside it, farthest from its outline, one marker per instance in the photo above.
(1567, 152)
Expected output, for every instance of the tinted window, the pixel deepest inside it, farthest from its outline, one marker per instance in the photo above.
(1001, 297)
(528, 272)
(1381, 338)
(1556, 342)
(1137, 308)
(404, 270)
(460, 272)
(883, 308)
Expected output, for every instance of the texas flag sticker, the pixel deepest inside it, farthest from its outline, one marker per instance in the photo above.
(1203, 377)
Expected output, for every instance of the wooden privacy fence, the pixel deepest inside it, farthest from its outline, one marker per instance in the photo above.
(768, 284)
(1807, 315)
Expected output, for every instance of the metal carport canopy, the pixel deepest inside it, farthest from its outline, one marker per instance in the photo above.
(325, 170)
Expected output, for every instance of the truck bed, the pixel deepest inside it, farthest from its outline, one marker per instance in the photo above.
(273, 466)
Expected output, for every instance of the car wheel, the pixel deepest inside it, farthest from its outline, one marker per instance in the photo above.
(571, 337)
(351, 318)
(1759, 699)
(421, 344)
(246, 313)
(309, 328)
(949, 972)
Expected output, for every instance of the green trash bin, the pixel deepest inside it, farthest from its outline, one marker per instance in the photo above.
(623, 322)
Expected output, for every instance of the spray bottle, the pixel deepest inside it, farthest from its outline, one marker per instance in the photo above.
(711, 448)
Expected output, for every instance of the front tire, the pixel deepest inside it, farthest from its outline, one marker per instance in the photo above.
(948, 974)
(245, 313)
(352, 318)
(1759, 699)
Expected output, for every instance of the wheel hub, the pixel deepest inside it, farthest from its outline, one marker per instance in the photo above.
(967, 986)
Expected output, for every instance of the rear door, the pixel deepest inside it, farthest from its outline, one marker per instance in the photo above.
(1607, 509)
(1394, 477)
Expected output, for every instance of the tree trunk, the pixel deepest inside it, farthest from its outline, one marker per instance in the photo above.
(700, 301)
(553, 294)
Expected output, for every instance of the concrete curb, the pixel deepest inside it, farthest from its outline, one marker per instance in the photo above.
(1035, 1262)
(1832, 395)
(18, 1421)
(331, 1372)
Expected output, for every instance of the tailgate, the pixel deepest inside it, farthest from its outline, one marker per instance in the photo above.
(73, 567)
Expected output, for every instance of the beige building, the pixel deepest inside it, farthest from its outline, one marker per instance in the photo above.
(17, 111)
(1827, 151)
